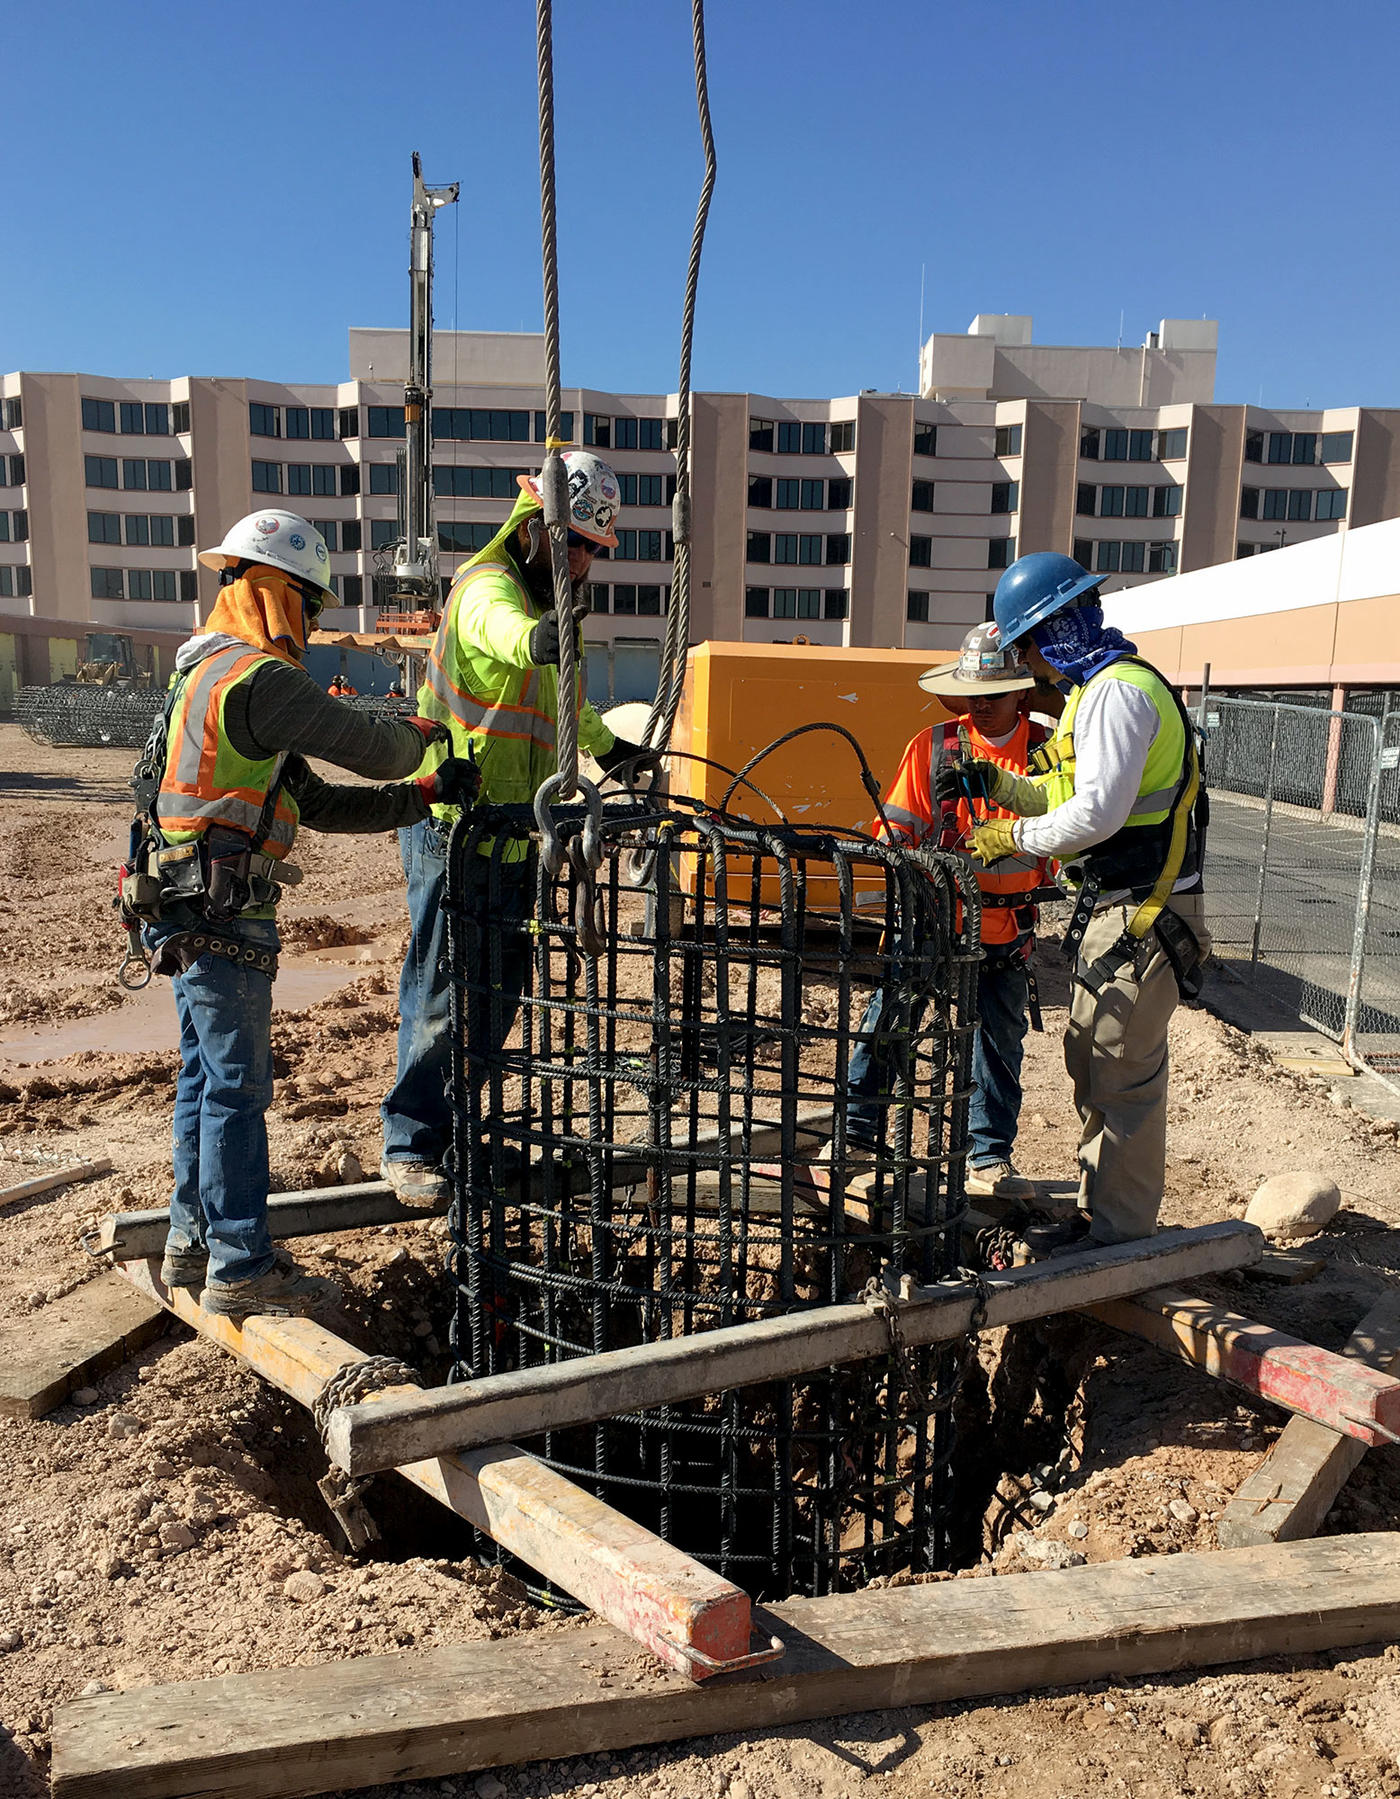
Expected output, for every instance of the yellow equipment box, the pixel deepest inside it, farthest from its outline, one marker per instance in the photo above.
(741, 696)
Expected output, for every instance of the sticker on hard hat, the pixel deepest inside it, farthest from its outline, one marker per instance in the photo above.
(603, 516)
(297, 541)
(320, 551)
(582, 511)
(266, 525)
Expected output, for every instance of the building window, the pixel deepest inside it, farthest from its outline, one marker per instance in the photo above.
(1110, 502)
(100, 471)
(628, 486)
(785, 602)
(20, 526)
(761, 493)
(327, 528)
(1134, 558)
(1331, 503)
(471, 483)
(347, 421)
(1171, 445)
(649, 598)
(297, 421)
(624, 434)
(323, 478)
(1305, 447)
(1249, 502)
(185, 529)
(99, 415)
(789, 439)
(843, 437)
(1280, 447)
(759, 547)
(755, 602)
(1135, 500)
(814, 496)
(350, 531)
(785, 546)
(838, 493)
(1085, 497)
(458, 536)
(597, 430)
(625, 549)
(15, 477)
(14, 421)
(813, 442)
(834, 603)
(809, 602)
(810, 548)
(624, 598)
(786, 495)
(1089, 442)
(163, 583)
(1001, 552)
(921, 497)
(133, 418)
(838, 549)
(151, 419)
(383, 532)
(925, 439)
(1275, 502)
(138, 528)
(107, 584)
(104, 527)
(383, 478)
(299, 477)
(4, 527)
(352, 589)
(386, 421)
(264, 421)
(649, 546)
(650, 434)
(1166, 502)
(1007, 441)
(1106, 558)
(1083, 551)
(761, 438)
(1115, 446)
(267, 477)
(651, 489)
(349, 479)
(1161, 559)
(921, 552)
(146, 477)
(1336, 446)
(323, 422)
(1254, 446)
(1140, 446)
(566, 427)
(159, 478)
(1006, 496)
(138, 584)
(184, 476)
(1300, 503)
(917, 608)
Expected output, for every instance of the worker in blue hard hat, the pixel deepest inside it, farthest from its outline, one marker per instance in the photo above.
(1116, 796)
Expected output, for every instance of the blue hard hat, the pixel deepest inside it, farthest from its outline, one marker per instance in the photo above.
(1035, 587)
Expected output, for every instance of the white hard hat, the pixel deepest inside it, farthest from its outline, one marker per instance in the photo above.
(594, 495)
(986, 664)
(282, 540)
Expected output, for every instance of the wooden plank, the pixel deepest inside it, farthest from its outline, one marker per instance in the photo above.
(1341, 1393)
(392, 1428)
(1294, 1487)
(56, 1177)
(285, 1734)
(311, 1211)
(666, 1600)
(67, 1344)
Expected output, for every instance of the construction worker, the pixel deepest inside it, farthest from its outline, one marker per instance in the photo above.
(1116, 798)
(988, 687)
(341, 689)
(214, 838)
(493, 679)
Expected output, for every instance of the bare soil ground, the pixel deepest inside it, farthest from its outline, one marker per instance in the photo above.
(169, 1528)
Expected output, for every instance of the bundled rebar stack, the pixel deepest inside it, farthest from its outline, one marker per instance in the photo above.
(660, 1148)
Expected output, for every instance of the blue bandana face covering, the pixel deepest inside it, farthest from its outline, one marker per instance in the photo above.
(1078, 645)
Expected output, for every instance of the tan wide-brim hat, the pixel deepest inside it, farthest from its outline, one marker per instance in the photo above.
(952, 681)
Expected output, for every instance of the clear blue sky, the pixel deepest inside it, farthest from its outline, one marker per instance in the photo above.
(223, 190)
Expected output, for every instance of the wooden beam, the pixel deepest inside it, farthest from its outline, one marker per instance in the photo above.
(55, 1177)
(45, 1356)
(1341, 1393)
(392, 1428)
(666, 1600)
(1293, 1488)
(286, 1733)
(310, 1211)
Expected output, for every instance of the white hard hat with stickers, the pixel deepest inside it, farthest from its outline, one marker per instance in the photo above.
(985, 664)
(595, 495)
(282, 540)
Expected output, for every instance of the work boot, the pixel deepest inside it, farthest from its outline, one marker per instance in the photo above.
(185, 1267)
(998, 1180)
(285, 1291)
(417, 1183)
(1058, 1237)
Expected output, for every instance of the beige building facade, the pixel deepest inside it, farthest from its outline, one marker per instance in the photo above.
(877, 520)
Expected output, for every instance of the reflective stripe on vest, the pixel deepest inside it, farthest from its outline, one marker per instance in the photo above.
(495, 718)
(206, 781)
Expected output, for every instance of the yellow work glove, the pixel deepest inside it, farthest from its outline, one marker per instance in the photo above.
(997, 786)
(991, 841)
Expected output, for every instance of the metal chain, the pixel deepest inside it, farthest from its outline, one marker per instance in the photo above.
(343, 1492)
(554, 484)
(675, 649)
(886, 1306)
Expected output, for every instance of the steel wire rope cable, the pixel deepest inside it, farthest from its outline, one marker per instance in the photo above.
(676, 645)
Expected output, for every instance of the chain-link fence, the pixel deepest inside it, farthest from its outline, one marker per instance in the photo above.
(1304, 863)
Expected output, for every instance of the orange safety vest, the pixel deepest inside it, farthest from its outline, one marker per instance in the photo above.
(206, 781)
(916, 818)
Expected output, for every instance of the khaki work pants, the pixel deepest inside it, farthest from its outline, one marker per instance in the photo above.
(1116, 1056)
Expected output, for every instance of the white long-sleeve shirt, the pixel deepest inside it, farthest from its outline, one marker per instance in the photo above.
(1114, 728)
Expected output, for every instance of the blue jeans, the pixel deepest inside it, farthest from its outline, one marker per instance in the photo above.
(224, 1088)
(995, 1107)
(417, 1111)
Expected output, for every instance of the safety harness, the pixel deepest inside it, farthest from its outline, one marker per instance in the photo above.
(1147, 860)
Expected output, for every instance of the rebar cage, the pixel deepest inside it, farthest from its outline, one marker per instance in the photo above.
(657, 1146)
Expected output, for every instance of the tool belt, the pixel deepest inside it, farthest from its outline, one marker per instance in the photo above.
(1178, 942)
(219, 886)
(178, 954)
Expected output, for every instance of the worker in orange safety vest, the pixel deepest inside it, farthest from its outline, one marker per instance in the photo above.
(988, 687)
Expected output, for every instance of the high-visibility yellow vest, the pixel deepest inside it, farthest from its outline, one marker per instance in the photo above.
(206, 781)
